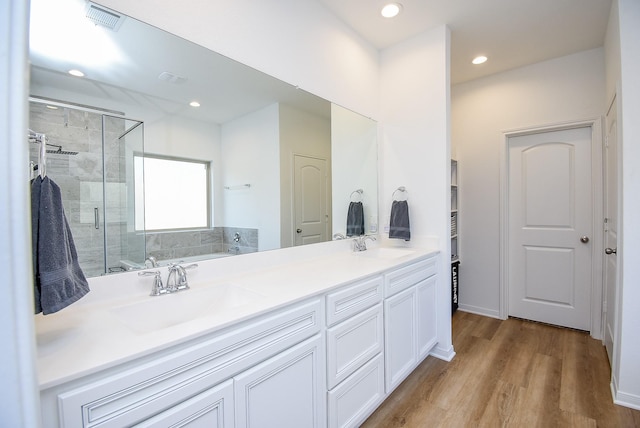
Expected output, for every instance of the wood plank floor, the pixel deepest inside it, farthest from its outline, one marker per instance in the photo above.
(511, 373)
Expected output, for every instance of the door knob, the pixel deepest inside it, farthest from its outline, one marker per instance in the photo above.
(298, 230)
(611, 251)
(584, 239)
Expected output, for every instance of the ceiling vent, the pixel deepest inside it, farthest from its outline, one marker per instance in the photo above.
(104, 17)
(165, 76)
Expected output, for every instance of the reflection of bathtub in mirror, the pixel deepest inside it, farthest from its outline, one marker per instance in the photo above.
(127, 265)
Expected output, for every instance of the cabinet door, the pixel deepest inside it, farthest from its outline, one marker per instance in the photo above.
(400, 342)
(210, 409)
(426, 311)
(288, 390)
(351, 402)
(352, 343)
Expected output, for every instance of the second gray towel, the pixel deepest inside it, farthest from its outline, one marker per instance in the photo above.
(355, 219)
(399, 223)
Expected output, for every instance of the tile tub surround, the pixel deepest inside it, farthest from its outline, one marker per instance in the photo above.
(178, 244)
(64, 338)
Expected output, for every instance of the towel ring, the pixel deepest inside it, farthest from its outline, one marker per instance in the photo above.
(358, 192)
(401, 189)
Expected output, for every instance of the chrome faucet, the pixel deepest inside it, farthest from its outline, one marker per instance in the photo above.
(177, 279)
(360, 242)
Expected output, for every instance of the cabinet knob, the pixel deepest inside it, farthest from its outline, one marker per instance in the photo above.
(611, 251)
(298, 230)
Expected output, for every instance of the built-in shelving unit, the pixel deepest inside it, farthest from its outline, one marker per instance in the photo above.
(455, 259)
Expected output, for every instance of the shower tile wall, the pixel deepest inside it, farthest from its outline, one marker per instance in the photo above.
(80, 177)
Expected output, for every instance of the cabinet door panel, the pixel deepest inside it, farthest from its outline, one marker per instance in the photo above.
(427, 327)
(350, 300)
(287, 390)
(351, 402)
(352, 343)
(400, 340)
(210, 409)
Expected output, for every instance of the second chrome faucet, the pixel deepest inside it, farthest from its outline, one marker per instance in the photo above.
(176, 280)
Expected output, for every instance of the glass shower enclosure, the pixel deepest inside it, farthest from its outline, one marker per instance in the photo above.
(90, 156)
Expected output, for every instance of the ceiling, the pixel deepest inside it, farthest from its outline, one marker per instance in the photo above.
(511, 33)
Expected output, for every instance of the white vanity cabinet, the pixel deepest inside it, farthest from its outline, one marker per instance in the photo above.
(183, 382)
(355, 368)
(325, 358)
(410, 318)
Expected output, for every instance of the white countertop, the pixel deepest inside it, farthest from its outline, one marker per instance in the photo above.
(92, 334)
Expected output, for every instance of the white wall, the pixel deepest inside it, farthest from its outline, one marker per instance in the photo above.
(251, 152)
(414, 101)
(564, 89)
(301, 133)
(627, 373)
(354, 159)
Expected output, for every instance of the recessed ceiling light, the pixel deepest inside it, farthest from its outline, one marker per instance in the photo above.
(390, 10)
(76, 73)
(479, 60)
(194, 104)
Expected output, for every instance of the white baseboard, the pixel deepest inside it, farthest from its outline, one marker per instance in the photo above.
(623, 399)
(445, 354)
(479, 311)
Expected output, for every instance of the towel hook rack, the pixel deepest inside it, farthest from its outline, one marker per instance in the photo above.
(358, 192)
(401, 189)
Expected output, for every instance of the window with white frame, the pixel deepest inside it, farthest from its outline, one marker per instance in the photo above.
(176, 193)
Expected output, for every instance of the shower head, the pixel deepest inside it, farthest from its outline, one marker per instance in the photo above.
(59, 151)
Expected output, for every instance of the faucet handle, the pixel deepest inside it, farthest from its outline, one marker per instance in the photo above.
(182, 283)
(157, 289)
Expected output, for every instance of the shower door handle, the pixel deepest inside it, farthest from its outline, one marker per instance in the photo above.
(96, 218)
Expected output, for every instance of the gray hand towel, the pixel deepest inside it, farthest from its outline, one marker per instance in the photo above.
(355, 219)
(59, 280)
(399, 223)
(35, 210)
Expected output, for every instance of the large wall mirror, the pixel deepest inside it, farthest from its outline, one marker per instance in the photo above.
(168, 150)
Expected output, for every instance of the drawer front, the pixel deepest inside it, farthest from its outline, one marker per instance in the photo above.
(350, 300)
(352, 343)
(405, 277)
(212, 408)
(358, 396)
(130, 396)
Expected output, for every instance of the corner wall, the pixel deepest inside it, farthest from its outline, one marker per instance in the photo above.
(565, 89)
(416, 150)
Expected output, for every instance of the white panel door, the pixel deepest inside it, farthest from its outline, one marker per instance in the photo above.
(310, 200)
(550, 227)
(611, 228)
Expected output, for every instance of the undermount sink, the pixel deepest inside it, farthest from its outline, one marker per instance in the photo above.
(385, 253)
(159, 312)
